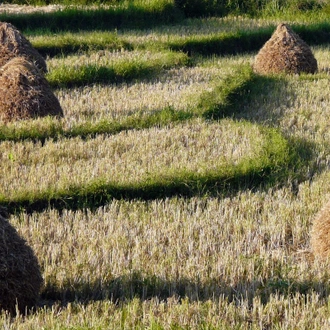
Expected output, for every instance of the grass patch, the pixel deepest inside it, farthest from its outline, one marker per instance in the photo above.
(214, 104)
(68, 43)
(270, 163)
(50, 129)
(138, 66)
(222, 99)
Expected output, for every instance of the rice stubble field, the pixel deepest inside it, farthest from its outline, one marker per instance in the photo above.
(227, 255)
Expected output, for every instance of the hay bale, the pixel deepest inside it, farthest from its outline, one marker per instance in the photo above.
(25, 93)
(320, 233)
(20, 276)
(285, 52)
(14, 44)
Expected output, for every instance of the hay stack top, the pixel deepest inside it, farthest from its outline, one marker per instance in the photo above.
(14, 44)
(285, 52)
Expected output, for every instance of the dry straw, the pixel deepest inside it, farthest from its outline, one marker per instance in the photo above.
(320, 234)
(285, 52)
(25, 93)
(20, 276)
(14, 44)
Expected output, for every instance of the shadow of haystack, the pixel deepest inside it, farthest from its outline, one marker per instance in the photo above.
(285, 52)
(14, 44)
(20, 276)
(320, 233)
(25, 93)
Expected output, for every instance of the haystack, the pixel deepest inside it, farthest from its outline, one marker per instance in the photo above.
(14, 44)
(285, 52)
(320, 234)
(25, 93)
(20, 276)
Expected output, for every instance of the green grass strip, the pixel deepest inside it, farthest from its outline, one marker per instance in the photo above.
(54, 129)
(69, 43)
(124, 70)
(223, 98)
(217, 103)
(271, 164)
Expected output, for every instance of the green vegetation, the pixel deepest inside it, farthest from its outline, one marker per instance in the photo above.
(140, 66)
(178, 190)
(68, 43)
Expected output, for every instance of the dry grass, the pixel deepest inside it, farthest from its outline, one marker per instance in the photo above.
(18, 9)
(219, 249)
(178, 88)
(128, 157)
(176, 239)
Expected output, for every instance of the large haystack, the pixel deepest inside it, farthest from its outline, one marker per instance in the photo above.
(14, 44)
(20, 276)
(320, 234)
(25, 93)
(285, 52)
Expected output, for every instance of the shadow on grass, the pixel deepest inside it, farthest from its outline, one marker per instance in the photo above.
(74, 19)
(222, 44)
(251, 41)
(136, 285)
(247, 101)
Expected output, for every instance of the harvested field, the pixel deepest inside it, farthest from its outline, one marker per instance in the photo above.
(184, 198)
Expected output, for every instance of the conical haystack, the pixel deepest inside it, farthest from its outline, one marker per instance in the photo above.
(25, 93)
(14, 44)
(20, 276)
(285, 52)
(320, 234)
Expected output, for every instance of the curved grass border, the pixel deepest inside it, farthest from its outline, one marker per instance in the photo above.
(272, 164)
(212, 105)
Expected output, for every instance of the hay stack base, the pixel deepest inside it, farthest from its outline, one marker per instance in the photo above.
(320, 234)
(25, 93)
(20, 276)
(14, 44)
(285, 52)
